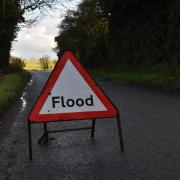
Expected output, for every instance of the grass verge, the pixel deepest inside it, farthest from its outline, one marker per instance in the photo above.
(151, 78)
(10, 88)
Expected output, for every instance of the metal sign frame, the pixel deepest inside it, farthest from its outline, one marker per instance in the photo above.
(34, 117)
(44, 138)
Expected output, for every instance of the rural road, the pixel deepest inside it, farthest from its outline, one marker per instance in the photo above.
(151, 129)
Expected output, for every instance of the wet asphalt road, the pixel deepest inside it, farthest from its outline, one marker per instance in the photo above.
(151, 129)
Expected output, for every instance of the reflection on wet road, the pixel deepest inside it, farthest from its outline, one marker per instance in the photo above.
(23, 98)
(24, 102)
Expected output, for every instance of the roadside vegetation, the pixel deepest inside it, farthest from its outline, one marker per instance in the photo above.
(128, 40)
(15, 14)
(145, 78)
(132, 40)
(160, 75)
(12, 83)
(10, 87)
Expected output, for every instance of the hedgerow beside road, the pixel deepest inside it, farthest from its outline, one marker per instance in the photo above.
(10, 87)
(159, 79)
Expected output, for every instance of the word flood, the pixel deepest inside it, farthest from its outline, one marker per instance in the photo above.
(72, 102)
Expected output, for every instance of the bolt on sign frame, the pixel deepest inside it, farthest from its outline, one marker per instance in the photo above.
(69, 78)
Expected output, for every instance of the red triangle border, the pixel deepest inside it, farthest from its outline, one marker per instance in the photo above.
(34, 115)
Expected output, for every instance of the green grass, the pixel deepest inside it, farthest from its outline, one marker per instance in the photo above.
(151, 78)
(10, 88)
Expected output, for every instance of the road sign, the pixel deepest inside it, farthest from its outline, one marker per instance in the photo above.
(71, 94)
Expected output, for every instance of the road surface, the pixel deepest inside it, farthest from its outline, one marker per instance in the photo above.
(151, 129)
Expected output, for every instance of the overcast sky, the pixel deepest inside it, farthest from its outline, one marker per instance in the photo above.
(38, 40)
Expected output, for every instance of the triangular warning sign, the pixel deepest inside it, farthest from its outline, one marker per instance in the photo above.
(71, 94)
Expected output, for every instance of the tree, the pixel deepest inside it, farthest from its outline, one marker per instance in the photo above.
(12, 13)
(44, 62)
(143, 33)
(10, 16)
(85, 32)
(130, 34)
(16, 64)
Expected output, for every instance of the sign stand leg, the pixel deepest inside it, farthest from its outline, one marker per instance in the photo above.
(93, 128)
(120, 133)
(45, 133)
(30, 140)
(44, 137)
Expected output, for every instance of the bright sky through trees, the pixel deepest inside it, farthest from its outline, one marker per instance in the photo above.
(38, 40)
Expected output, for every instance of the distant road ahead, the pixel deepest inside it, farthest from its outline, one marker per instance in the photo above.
(151, 128)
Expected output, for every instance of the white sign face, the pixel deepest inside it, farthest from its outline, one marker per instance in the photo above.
(71, 93)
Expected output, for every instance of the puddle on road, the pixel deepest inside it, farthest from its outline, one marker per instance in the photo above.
(30, 82)
(23, 100)
(23, 97)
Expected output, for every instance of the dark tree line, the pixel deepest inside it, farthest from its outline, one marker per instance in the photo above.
(125, 33)
(10, 16)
